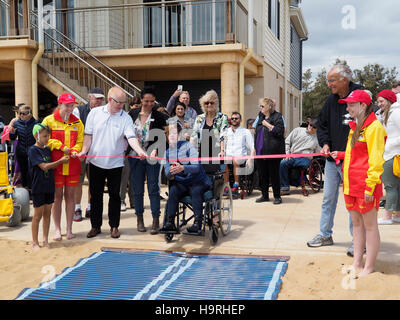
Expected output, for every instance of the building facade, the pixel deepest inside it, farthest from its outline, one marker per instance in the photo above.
(200, 44)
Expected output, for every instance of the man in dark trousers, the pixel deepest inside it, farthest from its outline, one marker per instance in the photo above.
(332, 135)
(96, 99)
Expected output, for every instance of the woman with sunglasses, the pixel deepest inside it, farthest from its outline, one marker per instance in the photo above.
(211, 125)
(269, 139)
(21, 128)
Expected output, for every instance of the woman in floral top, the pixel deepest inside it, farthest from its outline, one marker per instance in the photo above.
(216, 123)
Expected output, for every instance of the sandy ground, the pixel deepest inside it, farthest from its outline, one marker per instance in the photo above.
(317, 273)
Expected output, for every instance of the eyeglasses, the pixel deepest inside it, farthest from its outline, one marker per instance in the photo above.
(235, 118)
(209, 102)
(118, 102)
(332, 80)
(24, 113)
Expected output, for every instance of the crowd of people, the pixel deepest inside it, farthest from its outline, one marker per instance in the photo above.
(123, 149)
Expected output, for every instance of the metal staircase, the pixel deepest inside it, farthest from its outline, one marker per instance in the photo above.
(76, 69)
(65, 66)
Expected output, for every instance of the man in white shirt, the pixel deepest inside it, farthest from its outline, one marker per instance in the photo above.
(105, 130)
(240, 142)
(300, 140)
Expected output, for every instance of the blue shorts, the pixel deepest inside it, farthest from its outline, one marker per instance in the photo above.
(40, 199)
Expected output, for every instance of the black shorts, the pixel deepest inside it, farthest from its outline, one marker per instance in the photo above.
(40, 199)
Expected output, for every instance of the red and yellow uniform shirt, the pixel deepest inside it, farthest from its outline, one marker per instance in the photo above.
(65, 135)
(363, 164)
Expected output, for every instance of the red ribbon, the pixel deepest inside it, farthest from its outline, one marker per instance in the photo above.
(208, 159)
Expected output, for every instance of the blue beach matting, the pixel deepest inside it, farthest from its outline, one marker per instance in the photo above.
(131, 274)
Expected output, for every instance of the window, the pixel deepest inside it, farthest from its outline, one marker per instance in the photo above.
(274, 16)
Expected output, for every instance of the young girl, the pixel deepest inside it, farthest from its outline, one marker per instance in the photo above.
(362, 170)
(42, 182)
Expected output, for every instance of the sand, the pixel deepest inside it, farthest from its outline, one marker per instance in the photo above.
(316, 273)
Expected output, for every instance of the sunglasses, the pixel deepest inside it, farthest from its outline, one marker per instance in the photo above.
(24, 113)
(235, 118)
(261, 106)
(209, 102)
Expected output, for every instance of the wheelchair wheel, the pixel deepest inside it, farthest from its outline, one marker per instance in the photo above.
(248, 183)
(213, 235)
(314, 176)
(21, 197)
(168, 237)
(15, 218)
(224, 209)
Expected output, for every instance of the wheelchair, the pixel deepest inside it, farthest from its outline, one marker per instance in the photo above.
(247, 182)
(217, 211)
(310, 176)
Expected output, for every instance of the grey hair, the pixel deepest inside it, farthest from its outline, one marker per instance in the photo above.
(344, 71)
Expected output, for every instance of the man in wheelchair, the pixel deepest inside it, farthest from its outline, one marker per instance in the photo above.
(300, 140)
(185, 178)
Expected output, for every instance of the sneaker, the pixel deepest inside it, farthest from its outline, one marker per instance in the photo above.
(285, 191)
(350, 251)
(78, 215)
(226, 191)
(382, 221)
(123, 206)
(87, 213)
(319, 241)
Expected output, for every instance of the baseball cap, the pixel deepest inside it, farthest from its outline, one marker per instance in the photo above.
(97, 92)
(388, 94)
(357, 96)
(66, 98)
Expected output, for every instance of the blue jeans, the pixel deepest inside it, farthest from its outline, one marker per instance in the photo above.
(177, 190)
(332, 180)
(288, 164)
(140, 169)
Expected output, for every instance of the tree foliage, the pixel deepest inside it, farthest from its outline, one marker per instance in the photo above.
(373, 77)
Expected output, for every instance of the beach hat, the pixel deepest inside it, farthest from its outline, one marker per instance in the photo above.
(97, 92)
(388, 94)
(66, 98)
(357, 96)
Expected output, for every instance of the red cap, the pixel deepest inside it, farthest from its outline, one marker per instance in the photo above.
(388, 94)
(66, 98)
(357, 96)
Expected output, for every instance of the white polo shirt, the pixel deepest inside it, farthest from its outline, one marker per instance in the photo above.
(238, 142)
(108, 132)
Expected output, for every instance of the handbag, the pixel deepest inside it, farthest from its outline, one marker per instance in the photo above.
(396, 165)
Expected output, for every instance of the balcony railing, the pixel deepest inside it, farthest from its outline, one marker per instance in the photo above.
(154, 24)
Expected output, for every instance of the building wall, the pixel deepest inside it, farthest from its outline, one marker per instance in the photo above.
(295, 58)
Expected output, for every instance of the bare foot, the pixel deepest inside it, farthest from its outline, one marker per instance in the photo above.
(70, 236)
(35, 247)
(46, 244)
(57, 237)
(365, 272)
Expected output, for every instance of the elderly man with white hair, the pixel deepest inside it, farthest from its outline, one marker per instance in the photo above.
(332, 135)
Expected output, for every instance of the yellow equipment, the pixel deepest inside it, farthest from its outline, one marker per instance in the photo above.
(14, 202)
